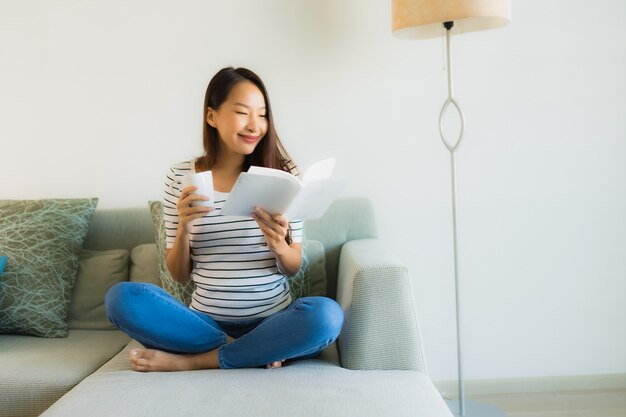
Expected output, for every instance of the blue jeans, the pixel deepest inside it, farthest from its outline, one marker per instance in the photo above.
(154, 318)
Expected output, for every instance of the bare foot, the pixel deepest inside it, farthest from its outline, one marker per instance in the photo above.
(152, 360)
(276, 364)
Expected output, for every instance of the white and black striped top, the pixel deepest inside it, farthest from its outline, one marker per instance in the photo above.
(236, 275)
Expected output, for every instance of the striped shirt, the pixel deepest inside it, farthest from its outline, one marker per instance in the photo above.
(236, 275)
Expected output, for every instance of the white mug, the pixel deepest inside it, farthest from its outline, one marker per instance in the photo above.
(204, 182)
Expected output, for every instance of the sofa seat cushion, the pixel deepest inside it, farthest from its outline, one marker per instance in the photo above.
(35, 372)
(313, 387)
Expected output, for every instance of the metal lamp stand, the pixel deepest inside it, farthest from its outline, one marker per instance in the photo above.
(459, 407)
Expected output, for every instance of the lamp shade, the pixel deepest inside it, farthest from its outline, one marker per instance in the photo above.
(424, 18)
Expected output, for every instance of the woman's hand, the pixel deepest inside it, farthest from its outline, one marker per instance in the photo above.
(274, 228)
(188, 213)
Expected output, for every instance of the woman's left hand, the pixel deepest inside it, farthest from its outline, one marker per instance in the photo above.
(274, 228)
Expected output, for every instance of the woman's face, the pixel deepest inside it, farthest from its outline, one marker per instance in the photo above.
(241, 120)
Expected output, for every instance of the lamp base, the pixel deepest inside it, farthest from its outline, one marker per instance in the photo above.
(475, 409)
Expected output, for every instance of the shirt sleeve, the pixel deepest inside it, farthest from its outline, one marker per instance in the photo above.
(170, 212)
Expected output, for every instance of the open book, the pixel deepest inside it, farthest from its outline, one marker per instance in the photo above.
(279, 192)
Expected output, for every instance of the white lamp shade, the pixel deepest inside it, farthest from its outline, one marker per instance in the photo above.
(424, 18)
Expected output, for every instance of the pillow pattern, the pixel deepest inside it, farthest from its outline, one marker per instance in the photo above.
(310, 280)
(316, 259)
(97, 272)
(43, 239)
(181, 292)
(299, 283)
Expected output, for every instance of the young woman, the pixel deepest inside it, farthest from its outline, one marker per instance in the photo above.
(241, 313)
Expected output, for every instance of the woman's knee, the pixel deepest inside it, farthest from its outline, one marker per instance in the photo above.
(122, 297)
(326, 315)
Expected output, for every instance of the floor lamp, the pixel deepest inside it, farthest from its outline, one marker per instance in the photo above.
(420, 19)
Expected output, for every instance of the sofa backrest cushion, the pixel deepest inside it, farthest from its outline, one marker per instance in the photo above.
(119, 229)
(346, 219)
(97, 272)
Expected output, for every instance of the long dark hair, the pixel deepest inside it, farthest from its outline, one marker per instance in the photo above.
(269, 152)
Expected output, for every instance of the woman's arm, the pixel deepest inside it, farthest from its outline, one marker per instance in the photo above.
(290, 258)
(178, 257)
(275, 229)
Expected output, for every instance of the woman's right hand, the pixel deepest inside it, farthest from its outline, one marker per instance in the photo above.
(188, 213)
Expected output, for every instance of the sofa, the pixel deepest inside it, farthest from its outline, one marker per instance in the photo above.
(375, 368)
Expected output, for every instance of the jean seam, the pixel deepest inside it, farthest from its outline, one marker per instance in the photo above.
(220, 357)
(180, 307)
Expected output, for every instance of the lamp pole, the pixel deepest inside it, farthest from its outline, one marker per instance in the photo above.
(452, 149)
(458, 407)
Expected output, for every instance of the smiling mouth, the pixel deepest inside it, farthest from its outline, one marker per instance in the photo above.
(249, 139)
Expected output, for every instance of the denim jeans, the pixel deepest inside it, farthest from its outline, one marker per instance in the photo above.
(154, 318)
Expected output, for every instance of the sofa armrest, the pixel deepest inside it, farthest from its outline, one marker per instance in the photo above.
(380, 329)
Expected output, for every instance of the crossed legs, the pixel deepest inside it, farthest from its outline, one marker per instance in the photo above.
(179, 338)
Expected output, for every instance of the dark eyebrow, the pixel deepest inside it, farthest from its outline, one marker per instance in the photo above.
(241, 104)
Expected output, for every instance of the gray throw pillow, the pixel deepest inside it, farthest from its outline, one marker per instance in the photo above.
(144, 264)
(97, 272)
(42, 240)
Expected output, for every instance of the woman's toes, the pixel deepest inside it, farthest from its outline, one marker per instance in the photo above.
(136, 354)
(276, 364)
(141, 359)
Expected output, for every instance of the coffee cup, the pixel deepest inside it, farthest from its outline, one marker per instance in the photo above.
(204, 182)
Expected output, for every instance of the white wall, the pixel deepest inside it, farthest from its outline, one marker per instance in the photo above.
(98, 98)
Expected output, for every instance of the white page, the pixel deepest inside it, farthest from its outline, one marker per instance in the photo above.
(319, 171)
(272, 193)
(272, 172)
(314, 199)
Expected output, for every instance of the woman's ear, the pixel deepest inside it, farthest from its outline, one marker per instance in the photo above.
(210, 117)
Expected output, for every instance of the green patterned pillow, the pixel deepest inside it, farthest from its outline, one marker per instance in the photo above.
(181, 292)
(311, 278)
(299, 284)
(315, 268)
(43, 239)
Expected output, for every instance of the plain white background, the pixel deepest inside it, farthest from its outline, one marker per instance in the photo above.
(99, 98)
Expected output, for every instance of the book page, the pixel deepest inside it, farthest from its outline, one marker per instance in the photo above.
(272, 172)
(271, 193)
(314, 199)
(319, 171)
